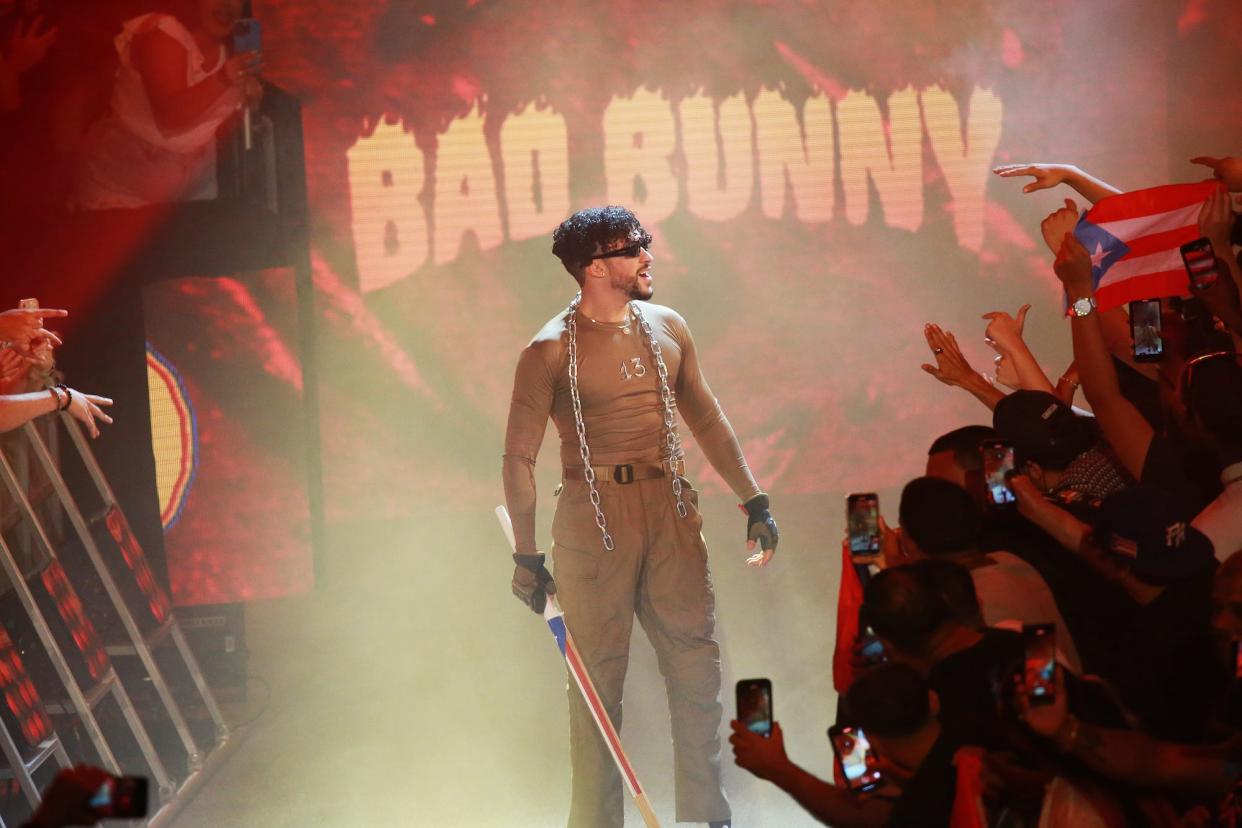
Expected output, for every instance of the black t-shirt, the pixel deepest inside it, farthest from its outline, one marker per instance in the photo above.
(1142, 392)
(1095, 609)
(1188, 475)
(927, 798)
(971, 685)
(1172, 652)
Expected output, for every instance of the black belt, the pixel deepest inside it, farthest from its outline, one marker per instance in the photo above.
(628, 472)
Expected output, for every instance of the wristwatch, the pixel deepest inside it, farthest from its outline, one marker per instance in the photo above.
(1082, 307)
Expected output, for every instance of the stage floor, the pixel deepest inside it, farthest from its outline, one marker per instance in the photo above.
(414, 690)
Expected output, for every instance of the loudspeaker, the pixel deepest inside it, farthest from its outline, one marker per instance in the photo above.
(217, 635)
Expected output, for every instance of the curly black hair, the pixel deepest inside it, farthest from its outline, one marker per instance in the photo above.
(578, 237)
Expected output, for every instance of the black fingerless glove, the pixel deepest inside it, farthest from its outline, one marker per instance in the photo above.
(532, 582)
(759, 523)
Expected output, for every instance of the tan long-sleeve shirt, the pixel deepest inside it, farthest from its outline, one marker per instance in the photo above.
(622, 410)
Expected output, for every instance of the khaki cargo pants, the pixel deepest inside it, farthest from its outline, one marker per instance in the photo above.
(658, 572)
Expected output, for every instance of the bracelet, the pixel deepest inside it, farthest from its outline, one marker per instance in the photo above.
(68, 398)
(1069, 381)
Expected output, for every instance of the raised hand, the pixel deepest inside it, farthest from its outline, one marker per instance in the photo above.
(1046, 175)
(1216, 221)
(1073, 266)
(1227, 170)
(1058, 223)
(23, 327)
(951, 366)
(28, 45)
(764, 757)
(1004, 332)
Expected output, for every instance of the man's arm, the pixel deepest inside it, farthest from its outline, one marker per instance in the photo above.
(529, 409)
(1130, 756)
(18, 409)
(707, 422)
(830, 804)
(1125, 428)
(1050, 175)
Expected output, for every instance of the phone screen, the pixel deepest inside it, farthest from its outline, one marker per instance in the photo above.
(121, 797)
(1040, 642)
(998, 461)
(1146, 331)
(1200, 261)
(871, 648)
(862, 517)
(247, 36)
(859, 763)
(754, 705)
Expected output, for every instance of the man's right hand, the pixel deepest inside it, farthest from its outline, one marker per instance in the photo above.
(764, 757)
(532, 582)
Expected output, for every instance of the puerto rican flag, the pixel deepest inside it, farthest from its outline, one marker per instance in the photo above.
(1134, 240)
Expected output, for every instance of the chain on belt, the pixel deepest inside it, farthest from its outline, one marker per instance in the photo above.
(672, 442)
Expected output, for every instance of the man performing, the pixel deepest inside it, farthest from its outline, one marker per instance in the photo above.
(612, 371)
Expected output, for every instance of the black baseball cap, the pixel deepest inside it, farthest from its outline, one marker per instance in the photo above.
(1042, 428)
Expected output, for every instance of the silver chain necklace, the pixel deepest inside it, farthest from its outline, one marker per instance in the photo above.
(671, 441)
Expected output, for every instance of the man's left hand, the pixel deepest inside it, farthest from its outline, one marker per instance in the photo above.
(760, 530)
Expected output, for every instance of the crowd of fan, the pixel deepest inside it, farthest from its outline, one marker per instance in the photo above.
(1126, 534)
(28, 386)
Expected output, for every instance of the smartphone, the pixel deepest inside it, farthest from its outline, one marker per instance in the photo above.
(1040, 647)
(1146, 331)
(862, 517)
(856, 758)
(1200, 261)
(121, 797)
(998, 461)
(754, 705)
(247, 35)
(870, 647)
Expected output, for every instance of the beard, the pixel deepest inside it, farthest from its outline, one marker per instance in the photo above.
(634, 287)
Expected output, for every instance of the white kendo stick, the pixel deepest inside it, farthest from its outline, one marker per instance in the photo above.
(556, 622)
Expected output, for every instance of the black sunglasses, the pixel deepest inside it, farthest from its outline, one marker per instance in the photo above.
(629, 251)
